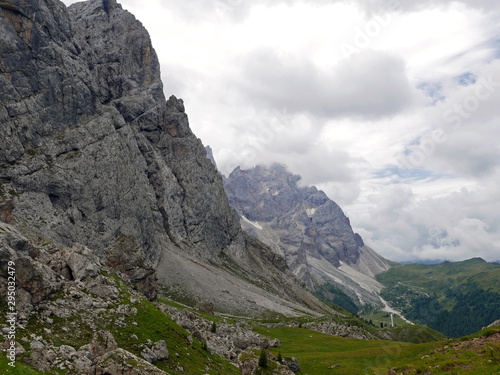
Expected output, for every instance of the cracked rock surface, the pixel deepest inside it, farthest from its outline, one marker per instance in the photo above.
(91, 149)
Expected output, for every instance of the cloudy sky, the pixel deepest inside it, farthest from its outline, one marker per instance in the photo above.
(391, 107)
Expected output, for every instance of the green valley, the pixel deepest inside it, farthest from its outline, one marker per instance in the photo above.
(455, 298)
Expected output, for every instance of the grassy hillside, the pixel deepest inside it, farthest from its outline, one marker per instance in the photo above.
(20, 368)
(332, 294)
(321, 354)
(317, 352)
(456, 298)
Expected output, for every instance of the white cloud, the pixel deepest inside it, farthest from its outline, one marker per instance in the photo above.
(371, 84)
(453, 227)
(411, 6)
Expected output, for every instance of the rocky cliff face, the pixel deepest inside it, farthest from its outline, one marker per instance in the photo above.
(307, 228)
(91, 149)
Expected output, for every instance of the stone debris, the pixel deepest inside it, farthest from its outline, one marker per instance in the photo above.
(60, 284)
(120, 361)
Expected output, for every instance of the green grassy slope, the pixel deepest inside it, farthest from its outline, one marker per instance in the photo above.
(19, 369)
(317, 352)
(321, 354)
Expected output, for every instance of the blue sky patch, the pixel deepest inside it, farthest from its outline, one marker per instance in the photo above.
(400, 174)
(432, 90)
(467, 79)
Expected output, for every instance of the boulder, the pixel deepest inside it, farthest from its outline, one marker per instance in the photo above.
(82, 364)
(103, 287)
(102, 343)
(35, 344)
(160, 350)
(126, 310)
(84, 353)
(82, 262)
(118, 362)
(274, 343)
(247, 364)
(148, 355)
(41, 359)
(292, 363)
(66, 351)
(36, 278)
(244, 342)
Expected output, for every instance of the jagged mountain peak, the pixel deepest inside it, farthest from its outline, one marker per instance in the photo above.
(269, 193)
(210, 155)
(310, 230)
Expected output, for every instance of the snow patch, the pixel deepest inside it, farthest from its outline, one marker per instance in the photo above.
(310, 211)
(254, 223)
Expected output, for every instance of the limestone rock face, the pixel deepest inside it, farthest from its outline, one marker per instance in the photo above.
(91, 149)
(309, 221)
(307, 228)
(127, 255)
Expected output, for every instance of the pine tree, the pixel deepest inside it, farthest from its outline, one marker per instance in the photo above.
(263, 359)
(280, 358)
(213, 328)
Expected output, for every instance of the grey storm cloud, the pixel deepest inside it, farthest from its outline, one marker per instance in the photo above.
(371, 84)
(383, 6)
(238, 10)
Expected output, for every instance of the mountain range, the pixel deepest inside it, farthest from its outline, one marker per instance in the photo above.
(130, 253)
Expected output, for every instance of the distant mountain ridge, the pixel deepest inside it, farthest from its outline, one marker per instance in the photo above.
(455, 298)
(308, 229)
